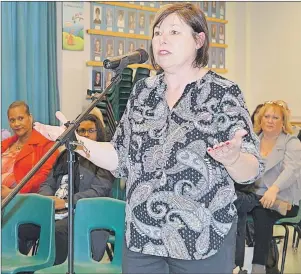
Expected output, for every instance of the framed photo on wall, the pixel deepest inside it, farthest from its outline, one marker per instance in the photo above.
(213, 33)
(141, 23)
(213, 58)
(109, 18)
(206, 7)
(150, 22)
(97, 80)
(97, 48)
(97, 16)
(221, 58)
(109, 47)
(221, 34)
(141, 44)
(108, 75)
(120, 15)
(132, 21)
(130, 45)
(213, 9)
(152, 4)
(73, 26)
(221, 10)
(161, 4)
(120, 46)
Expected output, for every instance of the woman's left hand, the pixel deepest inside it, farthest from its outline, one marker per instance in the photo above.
(228, 153)
(269, 197)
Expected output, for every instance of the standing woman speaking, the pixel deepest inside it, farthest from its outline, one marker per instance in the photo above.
(183, 140)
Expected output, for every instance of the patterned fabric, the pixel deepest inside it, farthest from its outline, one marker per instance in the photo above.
(62, 192)
(179, 199)
(7, 168)
(32, 151)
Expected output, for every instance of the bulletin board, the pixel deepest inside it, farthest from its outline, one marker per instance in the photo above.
(119, 28)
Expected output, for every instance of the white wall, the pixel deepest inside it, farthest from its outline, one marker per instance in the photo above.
(235, 38)
(74, 75)
(263, 56)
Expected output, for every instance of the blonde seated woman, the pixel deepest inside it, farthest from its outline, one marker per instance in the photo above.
(281, 152)
(296, 129)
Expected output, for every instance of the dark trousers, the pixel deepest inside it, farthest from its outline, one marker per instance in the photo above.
(221, 262)
(245, 203)
(264, 220)
(29, 233)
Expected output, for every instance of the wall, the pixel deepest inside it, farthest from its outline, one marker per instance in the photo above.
(235, 38)
(263, 56)
(275, 67)
(74, 74)
(264, 51)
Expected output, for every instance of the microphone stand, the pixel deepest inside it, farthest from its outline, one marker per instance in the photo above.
(67, 138)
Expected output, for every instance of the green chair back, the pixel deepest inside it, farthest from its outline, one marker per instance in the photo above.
(117, 192)
(141, 73)
(103, 212)
(127, 71)
(291, 220)
(24, 209)
(91, 214)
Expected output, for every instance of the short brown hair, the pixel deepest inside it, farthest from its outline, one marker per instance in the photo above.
(193, 17)
(19, 104)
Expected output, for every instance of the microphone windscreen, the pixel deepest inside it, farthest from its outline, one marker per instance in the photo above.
(143, 56)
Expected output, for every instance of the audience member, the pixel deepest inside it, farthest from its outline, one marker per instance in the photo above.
(296, 129)
(282, 153)
(90, 181)
(254, 114)
(21, 152)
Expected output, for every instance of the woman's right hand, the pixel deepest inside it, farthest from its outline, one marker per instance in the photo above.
(5, 191)
(52, 132)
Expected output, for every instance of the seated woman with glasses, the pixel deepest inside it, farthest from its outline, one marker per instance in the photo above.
(21, 152)
(90, 181)
(281, 152)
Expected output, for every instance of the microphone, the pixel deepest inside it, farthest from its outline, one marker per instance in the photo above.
(139, 56)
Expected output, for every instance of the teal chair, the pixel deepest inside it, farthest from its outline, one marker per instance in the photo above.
(117, 192)
(286, 222)
(24, 209)
(90, 214)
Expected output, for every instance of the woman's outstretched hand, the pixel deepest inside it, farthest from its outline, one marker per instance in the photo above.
(228, 152)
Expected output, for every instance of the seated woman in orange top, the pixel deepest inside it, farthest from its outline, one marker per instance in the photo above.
(22, 151)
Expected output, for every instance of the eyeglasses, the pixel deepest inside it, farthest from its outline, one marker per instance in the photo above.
(82, 131)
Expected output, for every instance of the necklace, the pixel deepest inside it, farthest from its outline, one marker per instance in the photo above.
(18, 146)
